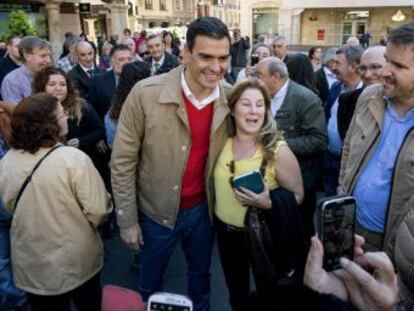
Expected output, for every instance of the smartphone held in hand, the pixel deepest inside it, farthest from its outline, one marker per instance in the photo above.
(336, 227)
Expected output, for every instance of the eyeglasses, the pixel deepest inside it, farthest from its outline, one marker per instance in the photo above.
(373, 68)
(64, 115)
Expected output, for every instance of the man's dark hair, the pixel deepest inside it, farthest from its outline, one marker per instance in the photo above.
(403, 35)
(352, 54)
(118, 47)
(210, 27)
(127, 31)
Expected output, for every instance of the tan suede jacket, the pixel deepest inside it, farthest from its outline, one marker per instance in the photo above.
(152, 146)
(55, 246)
(360, 143)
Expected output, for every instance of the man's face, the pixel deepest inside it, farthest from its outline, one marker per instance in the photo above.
(236, 35)
(155, 48)
(130, 43)
(208, 62)
(341, 68)
(13, 50)
(262, 73)
(279, 49)
(372, 62)
(39, 59)
(398, 72)
(85, 54)
(119, 59)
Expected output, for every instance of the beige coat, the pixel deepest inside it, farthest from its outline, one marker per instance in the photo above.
(361, 141)
(151, 149)
(55, 246)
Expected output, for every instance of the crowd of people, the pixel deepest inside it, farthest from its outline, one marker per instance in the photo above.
(145, 134)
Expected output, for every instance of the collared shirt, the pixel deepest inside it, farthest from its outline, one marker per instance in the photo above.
(86, 70)
(330, 76)
(17, 85)
(160, 62)
(215, 94)
(279, 98)
(373, 187)
(335, 141)
(66, 63)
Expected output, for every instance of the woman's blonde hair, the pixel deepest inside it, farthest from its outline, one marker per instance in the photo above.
(268, 134)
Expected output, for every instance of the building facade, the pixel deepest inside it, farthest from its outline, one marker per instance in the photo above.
(326, 22)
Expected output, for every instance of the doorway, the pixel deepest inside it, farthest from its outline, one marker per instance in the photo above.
(354, 24)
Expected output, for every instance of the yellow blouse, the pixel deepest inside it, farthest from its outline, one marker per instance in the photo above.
(228, 209)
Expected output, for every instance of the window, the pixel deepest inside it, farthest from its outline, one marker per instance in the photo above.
(148, 4)
(178, 5)
(163, 5)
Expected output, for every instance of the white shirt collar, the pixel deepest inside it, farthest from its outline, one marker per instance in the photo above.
(215, 94)
(86, 69)
(160, 62)
(279, 97)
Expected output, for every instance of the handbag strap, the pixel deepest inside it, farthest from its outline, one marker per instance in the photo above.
(29, 178)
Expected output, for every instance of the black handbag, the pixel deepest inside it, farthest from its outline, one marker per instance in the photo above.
(259, 244)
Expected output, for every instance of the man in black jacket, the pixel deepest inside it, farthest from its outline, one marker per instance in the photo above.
(238, 52)
(372, 62)
(85, 70)
(102, 87)
(12, 59)
(160, 61)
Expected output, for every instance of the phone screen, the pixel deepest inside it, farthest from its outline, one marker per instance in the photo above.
(159, 306)
(338, 232)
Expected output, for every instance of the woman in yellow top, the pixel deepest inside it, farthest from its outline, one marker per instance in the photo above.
(253, 137)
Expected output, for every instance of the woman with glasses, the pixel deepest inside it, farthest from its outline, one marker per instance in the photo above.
(253, 144)
(56, 251)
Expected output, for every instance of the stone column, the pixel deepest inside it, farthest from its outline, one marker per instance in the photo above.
(119, 18)
(53, 17)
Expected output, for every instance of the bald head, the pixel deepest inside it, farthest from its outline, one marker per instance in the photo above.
(85, 54)
(352, 41)
(273, 72)
(371, 64)
(130, 43)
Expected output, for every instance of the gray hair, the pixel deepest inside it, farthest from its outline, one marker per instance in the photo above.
(278, 38)
(30, 43)
(329, 55)
(352, 54)
(275, 65)
(71, 41)
(259, 46)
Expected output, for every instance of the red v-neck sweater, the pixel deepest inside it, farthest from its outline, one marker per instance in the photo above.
(193, 187)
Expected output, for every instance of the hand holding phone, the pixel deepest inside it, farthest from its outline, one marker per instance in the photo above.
(336, 227)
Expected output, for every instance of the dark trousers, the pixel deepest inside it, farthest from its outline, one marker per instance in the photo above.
(331, 165)
(236, 267)
(86, 297)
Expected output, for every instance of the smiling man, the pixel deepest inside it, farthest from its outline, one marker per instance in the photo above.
(160, 61)
(377, 160)
(170, 132)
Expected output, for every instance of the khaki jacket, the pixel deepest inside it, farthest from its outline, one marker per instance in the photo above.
(152, 146)
(360, 143)
(55, 246)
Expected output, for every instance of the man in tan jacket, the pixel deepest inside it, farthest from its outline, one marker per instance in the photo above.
(170, 132)
(377, 160)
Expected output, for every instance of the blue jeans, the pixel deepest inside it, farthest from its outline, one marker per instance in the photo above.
(193, 226)
(11, 296)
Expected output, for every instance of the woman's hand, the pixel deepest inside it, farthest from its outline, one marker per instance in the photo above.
(74, 142)
(249, 198)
